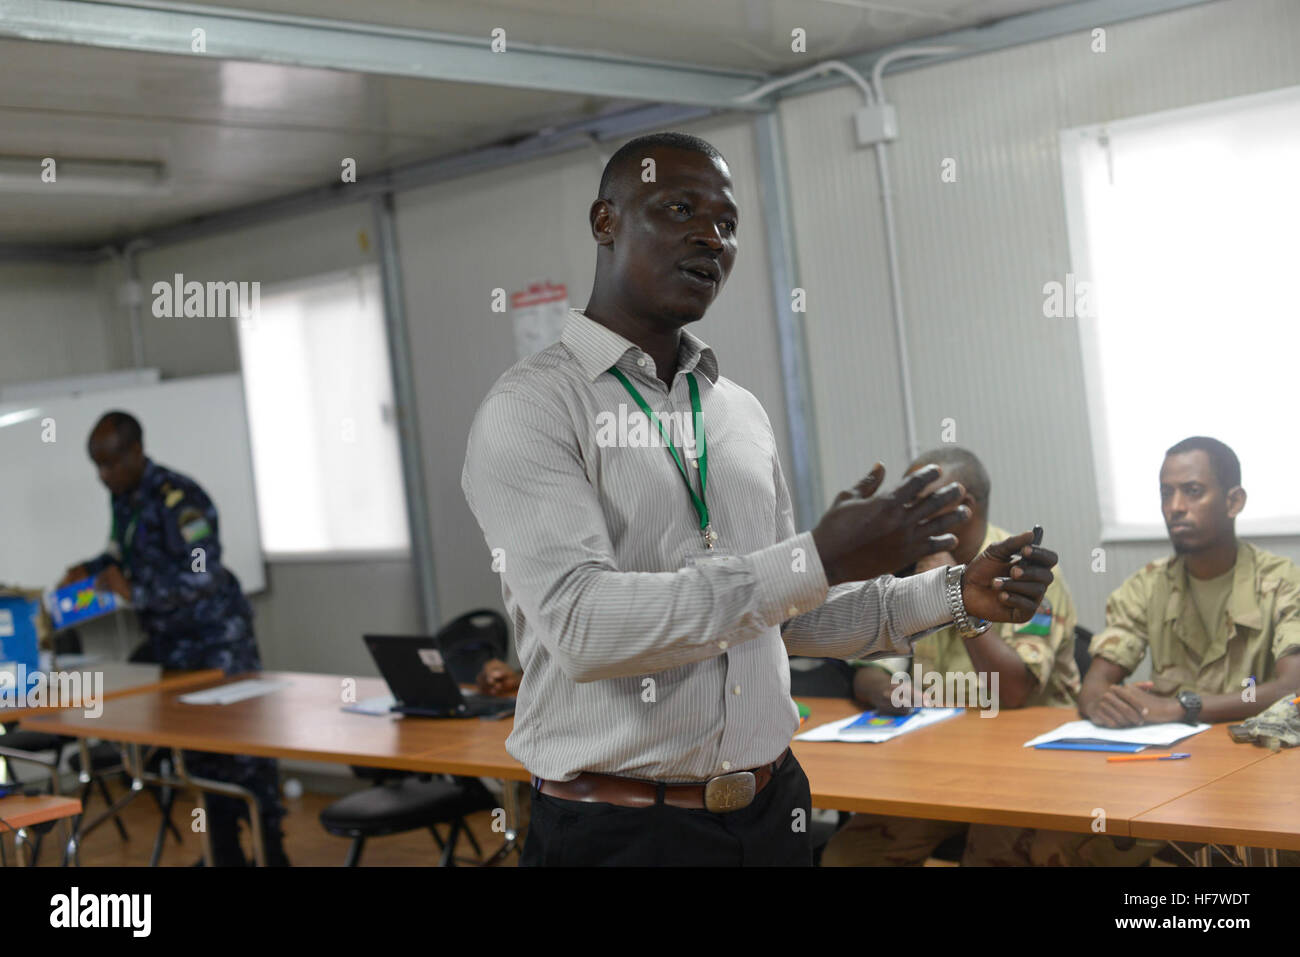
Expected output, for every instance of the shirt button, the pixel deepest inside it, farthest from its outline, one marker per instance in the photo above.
(641, 363)
(695, 464)
(726, 765)
(792, 610)
(722, 645)
(736, 690)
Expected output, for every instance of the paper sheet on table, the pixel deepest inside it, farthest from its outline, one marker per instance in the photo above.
(835, 730)
(1160, 735)
(237, 691)
(380, 704)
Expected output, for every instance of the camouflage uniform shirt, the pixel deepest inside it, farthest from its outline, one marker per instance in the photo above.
(1045, 644)
(1154, 609)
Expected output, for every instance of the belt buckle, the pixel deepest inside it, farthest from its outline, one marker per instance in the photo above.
(729, 792)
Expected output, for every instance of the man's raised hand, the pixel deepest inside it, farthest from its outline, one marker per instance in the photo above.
(863, 535)
(1007, 581)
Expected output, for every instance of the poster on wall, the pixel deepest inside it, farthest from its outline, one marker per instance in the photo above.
(539, 315)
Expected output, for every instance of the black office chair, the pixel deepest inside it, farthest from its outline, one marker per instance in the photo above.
(471, 640)
(832, 678)
(1082, 639)
(402, 802)
(409, 804)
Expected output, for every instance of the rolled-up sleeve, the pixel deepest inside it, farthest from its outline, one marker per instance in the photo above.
(1124, 639)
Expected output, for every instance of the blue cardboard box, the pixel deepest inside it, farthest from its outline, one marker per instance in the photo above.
(72, 604)
(18, 633)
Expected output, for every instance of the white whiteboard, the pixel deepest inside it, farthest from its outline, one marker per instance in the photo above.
(54, 512)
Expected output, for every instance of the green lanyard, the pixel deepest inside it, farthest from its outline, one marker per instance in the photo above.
(706, 530)
(124, 543)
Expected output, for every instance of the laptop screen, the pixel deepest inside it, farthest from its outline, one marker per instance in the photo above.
(415, 670)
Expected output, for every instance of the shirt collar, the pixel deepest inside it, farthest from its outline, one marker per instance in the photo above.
(148, 478)
(1243, 601)
(597, 347)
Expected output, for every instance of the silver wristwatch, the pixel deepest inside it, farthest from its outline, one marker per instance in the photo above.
(967, 627)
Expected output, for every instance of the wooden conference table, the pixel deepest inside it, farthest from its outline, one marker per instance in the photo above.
(968, 768)
(120, 678)
(19, 811)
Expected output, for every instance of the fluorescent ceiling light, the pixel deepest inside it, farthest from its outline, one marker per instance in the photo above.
(13, 418)
(82, 176)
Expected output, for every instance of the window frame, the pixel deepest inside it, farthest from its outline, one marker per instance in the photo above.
(330, 555)
(1113, 531)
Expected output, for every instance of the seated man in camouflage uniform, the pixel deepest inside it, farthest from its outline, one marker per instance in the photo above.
(1220, 617)
(164, 556)
(1034, 664)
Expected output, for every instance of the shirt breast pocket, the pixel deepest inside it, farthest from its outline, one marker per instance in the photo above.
(742, 480)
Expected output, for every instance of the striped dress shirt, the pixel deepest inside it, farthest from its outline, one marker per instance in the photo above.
(634, 663)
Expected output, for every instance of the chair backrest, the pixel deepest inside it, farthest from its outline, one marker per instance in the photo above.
(1082, 639)
(831, 678)
(471, 640)
(67, 642)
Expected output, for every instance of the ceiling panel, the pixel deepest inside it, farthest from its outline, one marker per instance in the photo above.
(746, 34)
(232, 133)
(229, 133)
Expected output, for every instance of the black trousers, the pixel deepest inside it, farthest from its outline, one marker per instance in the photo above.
(772, 831)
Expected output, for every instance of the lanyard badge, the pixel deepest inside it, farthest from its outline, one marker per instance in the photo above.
(707, 534)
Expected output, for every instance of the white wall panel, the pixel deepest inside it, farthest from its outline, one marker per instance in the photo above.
(976, 253)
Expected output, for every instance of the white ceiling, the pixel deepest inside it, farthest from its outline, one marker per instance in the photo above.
(233, 133)
(745, 34)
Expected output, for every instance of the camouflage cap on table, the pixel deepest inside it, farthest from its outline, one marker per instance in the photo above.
(1276, 727)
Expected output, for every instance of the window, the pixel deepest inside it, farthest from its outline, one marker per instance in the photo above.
(320, 412)
(1183, 223)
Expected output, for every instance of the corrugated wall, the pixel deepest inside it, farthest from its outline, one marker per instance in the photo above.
(975, 254)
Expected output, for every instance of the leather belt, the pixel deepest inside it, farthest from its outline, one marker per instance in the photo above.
(721, 794)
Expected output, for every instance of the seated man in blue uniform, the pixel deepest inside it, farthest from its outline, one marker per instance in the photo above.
(164, 556)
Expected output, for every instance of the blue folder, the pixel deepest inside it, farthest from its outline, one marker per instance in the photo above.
(1090, 746)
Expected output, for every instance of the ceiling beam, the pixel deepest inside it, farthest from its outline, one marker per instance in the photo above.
(548, 142)
(154, 27)
(1012, 31)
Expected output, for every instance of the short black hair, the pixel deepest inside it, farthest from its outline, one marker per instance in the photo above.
(125, 425)
(961, 465)
(1224, 461)
(634, 151)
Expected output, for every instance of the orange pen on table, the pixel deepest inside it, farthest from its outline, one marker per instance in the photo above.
(1153, 756)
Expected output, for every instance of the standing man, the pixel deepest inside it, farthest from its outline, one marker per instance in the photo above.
(653, 621)
(164, 557)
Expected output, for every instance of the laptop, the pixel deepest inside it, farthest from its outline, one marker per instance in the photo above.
(423, 684)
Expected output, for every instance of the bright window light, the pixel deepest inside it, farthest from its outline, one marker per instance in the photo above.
(1184, 224)
(320, 409)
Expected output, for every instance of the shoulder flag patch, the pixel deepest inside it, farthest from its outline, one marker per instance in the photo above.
(1040, 624)
(193, 525)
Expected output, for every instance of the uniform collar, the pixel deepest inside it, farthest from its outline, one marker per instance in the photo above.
(597, 347)
(148, 479)
(1243, 603)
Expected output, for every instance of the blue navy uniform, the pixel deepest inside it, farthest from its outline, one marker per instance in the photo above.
(165, 539)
